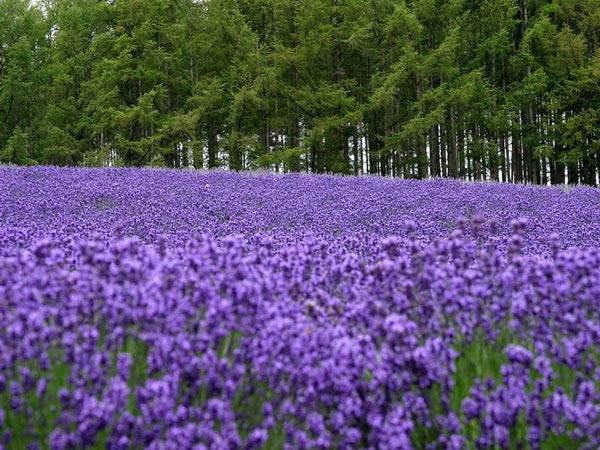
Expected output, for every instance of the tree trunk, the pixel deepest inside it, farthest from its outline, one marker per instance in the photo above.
(451, 144)
(434, 150)
(517, 170)
(212, 143)
(443, 150)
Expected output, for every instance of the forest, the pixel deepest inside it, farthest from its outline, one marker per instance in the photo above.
(505, 90)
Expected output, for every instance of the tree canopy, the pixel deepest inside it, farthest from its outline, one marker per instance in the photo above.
(504, 90)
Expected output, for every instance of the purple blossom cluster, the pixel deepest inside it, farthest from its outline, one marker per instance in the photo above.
(356, 213)
(172, 310)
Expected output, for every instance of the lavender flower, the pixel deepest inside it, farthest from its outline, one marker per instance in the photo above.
(269, 310)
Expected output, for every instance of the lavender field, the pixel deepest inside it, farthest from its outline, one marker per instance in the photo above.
(156, 309)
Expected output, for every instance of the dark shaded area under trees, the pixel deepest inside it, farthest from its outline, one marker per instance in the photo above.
(475, 89)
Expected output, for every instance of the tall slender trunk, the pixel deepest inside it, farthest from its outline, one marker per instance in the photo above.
(443, 151)
(451, 140)
(507, 159)
(434, 144)
(557, 154)
(460, 148)
(212, 143)
(373, 142)
(503, 160)
(355, 149)
(516, 158)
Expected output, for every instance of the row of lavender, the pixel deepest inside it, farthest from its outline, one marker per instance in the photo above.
(63, 203)
(322, 331)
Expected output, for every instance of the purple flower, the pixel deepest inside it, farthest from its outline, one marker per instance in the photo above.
(290, 316)
(123, 365)
(518, 354)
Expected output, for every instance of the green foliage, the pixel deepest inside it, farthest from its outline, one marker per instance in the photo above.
(288, 157)
(342, 86)
(15, 151)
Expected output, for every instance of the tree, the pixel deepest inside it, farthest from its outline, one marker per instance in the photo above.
(478, 90)
(23, 58)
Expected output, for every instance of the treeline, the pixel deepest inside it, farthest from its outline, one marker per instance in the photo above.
(475, 89)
